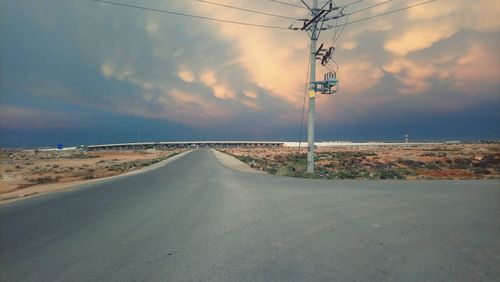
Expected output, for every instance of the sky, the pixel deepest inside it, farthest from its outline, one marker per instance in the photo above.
(83, 72)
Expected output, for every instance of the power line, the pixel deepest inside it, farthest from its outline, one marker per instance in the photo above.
(352, 3)
(247, 10)
(338, 33)
(370, 7)
(187, 15)
(304, 103)
(386, 13)
(288, 4)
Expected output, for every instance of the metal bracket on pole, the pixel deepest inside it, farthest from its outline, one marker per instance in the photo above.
(329, 85)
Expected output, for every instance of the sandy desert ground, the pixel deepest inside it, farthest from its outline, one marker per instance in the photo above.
(24, 173)
(430, 161)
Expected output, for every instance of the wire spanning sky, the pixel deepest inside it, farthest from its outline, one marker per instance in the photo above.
(83, 72)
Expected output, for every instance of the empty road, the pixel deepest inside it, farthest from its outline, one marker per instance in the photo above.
(195, 220)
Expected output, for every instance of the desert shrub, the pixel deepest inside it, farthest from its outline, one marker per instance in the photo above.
(173, 154)
(460, 163)
(411, 163)
(346, 174)
(153, 161)
(45, 179)
(440, 154)
(393, 174)
(247, 159)
(481, 171)
(490, 161)
(272, 170)
(432, 166)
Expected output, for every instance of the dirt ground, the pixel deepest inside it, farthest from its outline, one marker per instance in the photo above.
(429, 161)
(37, 171)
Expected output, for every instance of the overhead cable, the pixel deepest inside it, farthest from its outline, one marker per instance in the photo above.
(247, 10)
(288, 4)
(368, 8)
(187, 15)
(383, 14)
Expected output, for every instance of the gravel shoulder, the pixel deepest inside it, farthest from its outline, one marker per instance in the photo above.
(233, 163)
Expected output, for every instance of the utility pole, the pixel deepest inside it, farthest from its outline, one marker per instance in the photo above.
(312, 91)
(329, 84)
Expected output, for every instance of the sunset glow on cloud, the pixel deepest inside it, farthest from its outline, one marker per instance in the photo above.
(442, 58)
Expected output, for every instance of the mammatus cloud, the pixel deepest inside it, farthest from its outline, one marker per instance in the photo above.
(479, 66)
(212, 74)
(415, 31)
(413, 75)
(186, 76)
(428, 25)
(419, 37)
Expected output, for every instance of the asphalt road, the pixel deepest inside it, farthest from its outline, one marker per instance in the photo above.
(195, 220)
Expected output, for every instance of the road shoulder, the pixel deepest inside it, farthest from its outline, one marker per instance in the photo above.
(29, 192)
(233, 163)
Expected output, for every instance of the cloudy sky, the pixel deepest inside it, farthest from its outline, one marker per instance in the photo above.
(82, 72)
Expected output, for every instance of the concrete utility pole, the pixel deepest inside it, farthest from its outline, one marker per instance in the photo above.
(312, 91)
(329, 84)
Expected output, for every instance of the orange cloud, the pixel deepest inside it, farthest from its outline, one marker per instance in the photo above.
(208, 77)
(480, 65)
(413, 75)
(252, 104)
(419, 37)
(250, 94)
(219, 90)
(193, 109)
(186, 75)
(440, 20)
(358, 76)
(276, 60)
(349, 45)
(223, 92)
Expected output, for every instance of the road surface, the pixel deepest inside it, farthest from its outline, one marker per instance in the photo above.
(195, 220)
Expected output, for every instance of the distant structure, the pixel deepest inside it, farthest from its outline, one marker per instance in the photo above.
(406, 138)
(185, 144)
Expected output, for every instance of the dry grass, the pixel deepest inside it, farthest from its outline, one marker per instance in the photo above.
(463, 161)
(23, 169)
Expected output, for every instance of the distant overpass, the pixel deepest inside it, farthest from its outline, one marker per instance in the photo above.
(185, 144)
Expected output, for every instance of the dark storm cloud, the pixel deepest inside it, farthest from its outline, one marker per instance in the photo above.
(89, 63)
